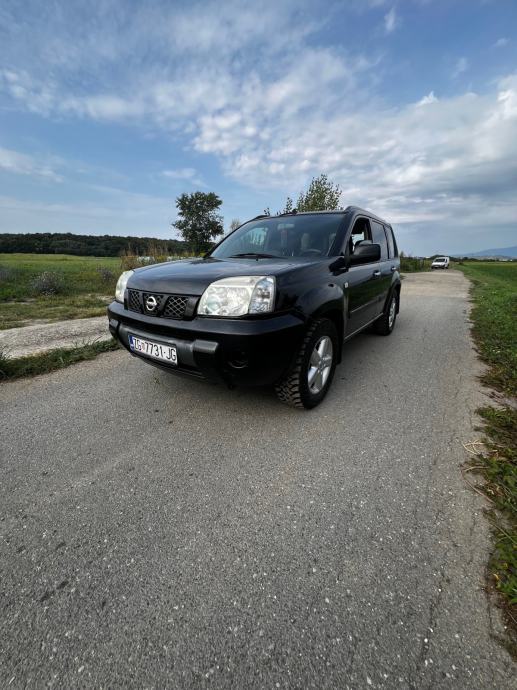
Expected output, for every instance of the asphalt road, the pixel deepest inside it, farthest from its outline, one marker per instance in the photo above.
(159, 532)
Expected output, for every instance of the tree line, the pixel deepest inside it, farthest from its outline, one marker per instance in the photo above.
(87, 245)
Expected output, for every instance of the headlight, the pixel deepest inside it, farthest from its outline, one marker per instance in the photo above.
(121, 286)
(238, 296)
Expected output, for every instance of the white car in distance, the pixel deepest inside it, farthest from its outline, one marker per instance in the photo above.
(440, 262)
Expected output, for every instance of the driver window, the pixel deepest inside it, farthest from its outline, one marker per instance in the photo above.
(252, 241)
(361, 231)
(257, 237)
(280, 241)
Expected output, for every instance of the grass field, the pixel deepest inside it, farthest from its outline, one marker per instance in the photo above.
(86, 286)
(494, 317)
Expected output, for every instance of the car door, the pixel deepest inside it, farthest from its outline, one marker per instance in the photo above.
(385, 265)
(362, 286)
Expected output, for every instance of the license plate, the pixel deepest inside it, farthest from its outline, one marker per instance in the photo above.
(147, 348)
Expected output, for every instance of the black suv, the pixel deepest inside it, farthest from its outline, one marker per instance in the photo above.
(271, 304)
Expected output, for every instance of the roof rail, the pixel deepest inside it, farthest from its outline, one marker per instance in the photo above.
(288, 213)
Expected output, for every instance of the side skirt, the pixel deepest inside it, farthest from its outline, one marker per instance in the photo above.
(358, 330)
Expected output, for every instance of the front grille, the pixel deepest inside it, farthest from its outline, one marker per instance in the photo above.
(175, 307)
(133, 301)
(168, 306)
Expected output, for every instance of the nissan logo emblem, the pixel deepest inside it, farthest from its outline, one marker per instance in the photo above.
(151, 303)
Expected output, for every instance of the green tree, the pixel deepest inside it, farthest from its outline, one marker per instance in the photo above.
(288, 205)
(322, 195)
(198, 222)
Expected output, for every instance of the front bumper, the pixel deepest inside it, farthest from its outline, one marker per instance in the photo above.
(237, 351)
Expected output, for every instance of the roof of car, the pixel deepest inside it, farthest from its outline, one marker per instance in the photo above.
(359, 210)
(348, 209)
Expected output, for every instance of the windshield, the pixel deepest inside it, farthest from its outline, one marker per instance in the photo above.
(281, 236)
(440, 260)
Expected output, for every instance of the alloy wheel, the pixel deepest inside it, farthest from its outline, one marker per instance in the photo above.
(392, 313)
(320, 364)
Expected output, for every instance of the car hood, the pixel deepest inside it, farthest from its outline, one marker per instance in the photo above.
(193, 276)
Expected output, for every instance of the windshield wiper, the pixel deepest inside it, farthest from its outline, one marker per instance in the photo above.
(254, 255)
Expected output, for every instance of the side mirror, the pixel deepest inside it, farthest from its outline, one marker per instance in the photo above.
(365, 254)
(340, 264)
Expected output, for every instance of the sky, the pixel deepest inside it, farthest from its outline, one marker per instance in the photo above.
(110, 109)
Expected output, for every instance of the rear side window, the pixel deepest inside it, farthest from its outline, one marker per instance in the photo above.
(379, 237)
(392, 245)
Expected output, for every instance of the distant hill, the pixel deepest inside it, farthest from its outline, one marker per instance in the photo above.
(85, 245)
(505, 252)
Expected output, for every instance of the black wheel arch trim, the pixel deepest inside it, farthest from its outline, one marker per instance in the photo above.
(396, 287)
(326, 301)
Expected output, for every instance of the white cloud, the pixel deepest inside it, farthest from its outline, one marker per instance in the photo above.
(23, 164)
(180, 173)
(455, 162)
(38, 97)
(189, 175)
(430, 98)
(501, 42)
(462, 65)
(103, 107)
(391, 21)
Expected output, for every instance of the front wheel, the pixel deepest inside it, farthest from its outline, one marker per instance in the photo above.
(310, 376)
(386, 323)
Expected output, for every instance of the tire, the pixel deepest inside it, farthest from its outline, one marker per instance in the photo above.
(386, 323)
(294, 389)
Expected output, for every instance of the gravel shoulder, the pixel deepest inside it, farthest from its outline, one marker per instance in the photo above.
(162, 532)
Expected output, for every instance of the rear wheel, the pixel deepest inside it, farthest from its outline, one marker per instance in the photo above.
(386, 323)
(309, 379)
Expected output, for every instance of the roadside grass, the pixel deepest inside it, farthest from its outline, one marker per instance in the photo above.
(410, 264)
(48, 309)
(50, 361)
(494, 317)
(85, 287)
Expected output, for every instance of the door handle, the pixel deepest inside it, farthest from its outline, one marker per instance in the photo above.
(376, 274)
